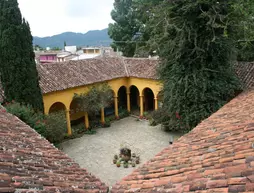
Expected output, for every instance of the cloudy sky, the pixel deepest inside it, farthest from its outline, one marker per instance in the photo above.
(50, 17)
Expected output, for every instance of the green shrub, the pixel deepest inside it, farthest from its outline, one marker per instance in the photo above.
(90, 132)
(152, 122)
(107, 123)
(159, 116)
(77, 129)
(111, 118)
(55, 127)
(28, 115)
(123, 113)
(52, 126)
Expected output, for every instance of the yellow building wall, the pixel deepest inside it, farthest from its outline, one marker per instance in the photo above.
(65, 96)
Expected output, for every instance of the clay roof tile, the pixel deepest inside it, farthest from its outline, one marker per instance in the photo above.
(216, 156)
(29, 162)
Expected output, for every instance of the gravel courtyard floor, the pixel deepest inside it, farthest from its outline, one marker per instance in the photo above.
(95, 152)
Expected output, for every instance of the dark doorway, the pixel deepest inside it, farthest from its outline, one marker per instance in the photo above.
(134, 98)
(56, 107)
(122, 97)
(148, 99)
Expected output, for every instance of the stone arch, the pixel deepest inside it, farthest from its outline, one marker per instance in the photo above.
(122, 97)
(148, 95)
(56, 107)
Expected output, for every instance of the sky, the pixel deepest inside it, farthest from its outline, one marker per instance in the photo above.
(51, 17)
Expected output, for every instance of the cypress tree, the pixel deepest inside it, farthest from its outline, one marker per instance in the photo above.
(18, 71)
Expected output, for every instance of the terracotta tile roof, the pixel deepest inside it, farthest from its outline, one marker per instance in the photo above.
(245, 71)
(60, 76)
(142, 67)
(216, 156)
(29, 163)
(63, 75)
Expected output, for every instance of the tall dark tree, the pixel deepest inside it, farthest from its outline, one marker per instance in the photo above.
(18, 71)
(197, 50)
(124, 29)
(145, 13)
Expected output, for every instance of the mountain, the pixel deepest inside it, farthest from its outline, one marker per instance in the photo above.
(91, 38)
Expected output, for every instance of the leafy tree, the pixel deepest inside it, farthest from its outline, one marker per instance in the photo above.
(245, 31)
(124, 29)
(18, 71)
(146, 11)
(97, 97)
(38, 47)
(197, 50)
(131, 30)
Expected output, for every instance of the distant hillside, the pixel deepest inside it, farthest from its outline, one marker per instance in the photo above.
(91, 38)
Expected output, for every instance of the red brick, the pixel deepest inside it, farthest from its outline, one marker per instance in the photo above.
(161, 182)
(147, 185)
(236, 188)
(239, 161)
(235, 170)
(213, 171)
(251, 178)
(136, 185)
(237, 181)
(226, 159)
(250, 187)
(216, 184)
(218, 176)
(194, 176)
(178, 179)
(149, 176)
(171, 172)
(218, 190)
(199, 184)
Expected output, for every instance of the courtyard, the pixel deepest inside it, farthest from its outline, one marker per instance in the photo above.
(95, 152)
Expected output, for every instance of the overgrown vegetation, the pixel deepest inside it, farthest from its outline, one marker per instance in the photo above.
(52, 126)
(197, 61)
(197, 41)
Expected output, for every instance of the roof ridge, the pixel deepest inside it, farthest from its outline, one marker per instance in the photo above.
(126, 68)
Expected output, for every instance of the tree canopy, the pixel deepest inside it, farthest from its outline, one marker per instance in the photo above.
(125, 27)
(198, 42)
(97, 97)
(18, 71)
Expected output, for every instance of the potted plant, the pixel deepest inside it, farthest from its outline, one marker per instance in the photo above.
(137, 161)
(118, 163)
(125, 154)
(114, 161)
(125, 165)
(116, 156)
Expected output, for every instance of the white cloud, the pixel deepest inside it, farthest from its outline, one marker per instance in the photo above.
(50, 17)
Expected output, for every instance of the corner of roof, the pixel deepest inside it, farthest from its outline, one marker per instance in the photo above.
(125, 67)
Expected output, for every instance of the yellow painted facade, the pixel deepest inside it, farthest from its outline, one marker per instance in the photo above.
(65, 97)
